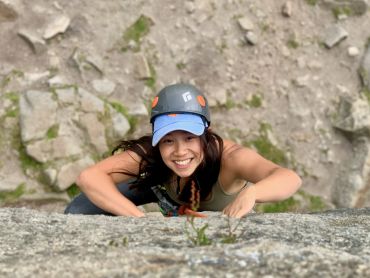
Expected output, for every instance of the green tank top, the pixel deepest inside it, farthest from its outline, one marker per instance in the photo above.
(218, 200)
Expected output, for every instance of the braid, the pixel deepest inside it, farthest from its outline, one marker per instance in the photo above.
(195, 196)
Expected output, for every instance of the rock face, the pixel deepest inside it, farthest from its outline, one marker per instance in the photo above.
(72, 83)
(328, 244)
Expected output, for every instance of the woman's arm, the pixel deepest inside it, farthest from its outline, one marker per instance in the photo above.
(99, 181)
(271, 181)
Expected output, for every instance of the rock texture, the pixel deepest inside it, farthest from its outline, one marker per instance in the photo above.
(77, 76)
(328, 244)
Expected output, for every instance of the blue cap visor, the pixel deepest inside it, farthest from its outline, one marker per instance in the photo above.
(165, 124)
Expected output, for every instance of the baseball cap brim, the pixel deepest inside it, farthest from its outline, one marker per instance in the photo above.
(165, 124)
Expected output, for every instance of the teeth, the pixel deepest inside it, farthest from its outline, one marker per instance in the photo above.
(182, 162)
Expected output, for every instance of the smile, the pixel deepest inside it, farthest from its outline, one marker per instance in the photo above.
(182, 162)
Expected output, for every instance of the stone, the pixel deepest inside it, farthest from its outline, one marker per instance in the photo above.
(50, 175)
(365, 68)
(353, 116)
(189, 7)
(58, 26)
(120, 125)
(69, 172)
(352, 186)
(245, 24)
(216, 96)
(35, 122)
(142, 67)
(137, 109)
(7, 12)
(353, 51)
(57, 81)
(66, 95)
(334, 35)
(53, 149)
(334, 243)
(353, 7)
(89, 102)
(104, 87)
(95, 131)
(287, 9)
(251, 38)
(36, 43)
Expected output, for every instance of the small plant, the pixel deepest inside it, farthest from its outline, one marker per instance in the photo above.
(28, 162)
(231, 236)
(255, 101)
(135, 32)
(197, 236)
(366, 93)
(12, 195)
(338, 11)
(52, 132)
(73, 190)
(266, 148)
(6, 80)
(117, 243)
(289, 204)
(230, 103)
(150, 82)
(304, 202)
(292, 43)
(312, 2)
(180, 66)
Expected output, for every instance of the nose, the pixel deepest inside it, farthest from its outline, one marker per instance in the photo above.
(180, 148)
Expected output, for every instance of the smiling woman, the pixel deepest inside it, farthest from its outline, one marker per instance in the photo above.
(183, 166)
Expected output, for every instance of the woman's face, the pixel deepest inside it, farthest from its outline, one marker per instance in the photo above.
(182, 152)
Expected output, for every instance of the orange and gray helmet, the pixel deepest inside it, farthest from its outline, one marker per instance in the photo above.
(179, 107)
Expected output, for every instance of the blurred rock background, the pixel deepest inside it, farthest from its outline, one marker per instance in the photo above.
(290, 79)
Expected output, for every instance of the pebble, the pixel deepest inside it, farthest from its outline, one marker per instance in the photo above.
(353, 51)
(59, 25)
(335, 34)
(286, 9)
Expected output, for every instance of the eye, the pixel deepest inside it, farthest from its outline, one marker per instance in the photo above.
(191, 137)
(167, 141)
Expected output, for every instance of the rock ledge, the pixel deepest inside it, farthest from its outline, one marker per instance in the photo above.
(330, 244)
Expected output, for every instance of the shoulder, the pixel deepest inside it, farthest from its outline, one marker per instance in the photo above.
(233, 151)
(243, 162)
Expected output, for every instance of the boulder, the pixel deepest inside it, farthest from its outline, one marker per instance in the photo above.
(327, 244)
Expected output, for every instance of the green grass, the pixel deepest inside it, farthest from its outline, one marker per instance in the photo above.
(284, 206)
(338, 11)
(265, 148)
(196, 235)
(310, 203)
(292, 43)
(151, 81)
(312, 2)
(135, 32)
(12, 195)
(52, 132)
(255, 101)
(73, 191)
(6, 80)
(180, 66)
(366, 93)
(27, 162)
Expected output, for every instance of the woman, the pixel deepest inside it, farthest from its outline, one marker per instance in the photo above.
(183, 166)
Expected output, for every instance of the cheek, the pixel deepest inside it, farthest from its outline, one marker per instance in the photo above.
(164, 151)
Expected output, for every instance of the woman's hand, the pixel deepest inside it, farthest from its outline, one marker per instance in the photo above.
(242, 204)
